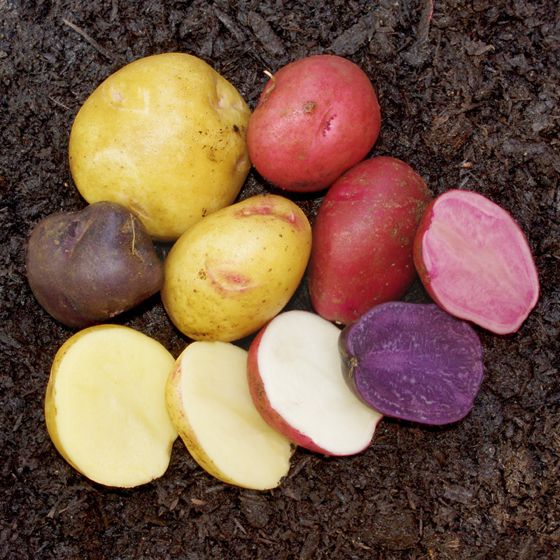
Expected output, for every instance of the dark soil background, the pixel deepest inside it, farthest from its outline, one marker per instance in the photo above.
(470, 98)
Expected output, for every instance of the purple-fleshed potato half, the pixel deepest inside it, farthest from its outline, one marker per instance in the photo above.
(414, 362)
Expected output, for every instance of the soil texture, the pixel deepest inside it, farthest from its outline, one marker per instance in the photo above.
(470, 97)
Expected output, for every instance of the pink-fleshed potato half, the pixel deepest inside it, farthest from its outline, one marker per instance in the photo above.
(316, 118)
(475, 261)
(363, 237)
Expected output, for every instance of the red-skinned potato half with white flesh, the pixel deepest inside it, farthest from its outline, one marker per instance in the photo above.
(296, 382)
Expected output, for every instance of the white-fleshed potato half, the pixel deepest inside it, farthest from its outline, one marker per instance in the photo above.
(105, 405)
(209, 402)
(233, 271)
(164, 136)
(296, 381)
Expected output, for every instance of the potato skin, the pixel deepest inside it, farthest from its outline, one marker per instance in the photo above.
(165, 137)
(85, 267)
(316, 118)
(363, 237)
(229, 274)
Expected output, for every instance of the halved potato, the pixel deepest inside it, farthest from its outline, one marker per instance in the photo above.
(210, 404)
(105, 405)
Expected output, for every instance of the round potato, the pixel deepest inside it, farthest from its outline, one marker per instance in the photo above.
(316, 118)
(105, 406)
(232, 272)
(86, 267)
(164, 136)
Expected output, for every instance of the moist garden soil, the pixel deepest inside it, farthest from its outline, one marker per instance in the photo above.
(469, 92)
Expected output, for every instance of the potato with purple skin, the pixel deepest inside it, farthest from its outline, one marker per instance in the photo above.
(316, 118)
(363, 237)
(414, 362)
(88, 266)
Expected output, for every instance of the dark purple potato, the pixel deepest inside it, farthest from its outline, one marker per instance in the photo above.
(414, 362)
(85, 267)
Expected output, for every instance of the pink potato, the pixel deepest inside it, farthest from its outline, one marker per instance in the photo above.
(363, 237)
(316, 118)
(475, 261)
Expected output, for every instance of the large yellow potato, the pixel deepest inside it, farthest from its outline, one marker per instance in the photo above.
(236, 269)
(164, 136)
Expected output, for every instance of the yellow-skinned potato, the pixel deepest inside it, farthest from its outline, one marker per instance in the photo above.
(232, 272)
(105, 406)
(210, 405)
(165, 137)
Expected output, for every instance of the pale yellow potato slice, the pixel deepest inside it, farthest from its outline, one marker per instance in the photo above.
(209, 402)
(105, 405)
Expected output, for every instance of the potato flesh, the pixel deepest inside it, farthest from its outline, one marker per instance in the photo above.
(299, 364)
(209, 401)
(478, 262)
(105, 406)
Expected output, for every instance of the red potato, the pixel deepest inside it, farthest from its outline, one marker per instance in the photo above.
(316, 118)
(363, 236)
(296, 382)
(475, 261)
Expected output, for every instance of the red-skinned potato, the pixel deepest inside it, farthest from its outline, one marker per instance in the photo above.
(296, 382)
(316, 118)
(363, 237)
(475, 261)
(85, 267)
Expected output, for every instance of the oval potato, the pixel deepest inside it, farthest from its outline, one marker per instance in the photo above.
(236, 269)
(362, 238)
(105, 405)
(164, 136)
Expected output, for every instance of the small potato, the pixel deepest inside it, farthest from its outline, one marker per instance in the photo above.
(316, 118)
(85, 267)
(236, 269)
(363, 237)
(165, 137)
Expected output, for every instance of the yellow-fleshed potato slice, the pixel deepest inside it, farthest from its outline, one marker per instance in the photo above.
(235, 270)
(209, 402)
(105, 405)
(164, 136)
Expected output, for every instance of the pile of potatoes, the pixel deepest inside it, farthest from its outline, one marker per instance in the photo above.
(160, 151)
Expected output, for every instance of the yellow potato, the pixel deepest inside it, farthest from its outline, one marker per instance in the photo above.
(105, 406)
(232, 272)
(165, 137)
(210, 404)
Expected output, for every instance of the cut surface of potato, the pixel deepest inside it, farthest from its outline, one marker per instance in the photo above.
(296, 380)
(210, 404)
(105, 405)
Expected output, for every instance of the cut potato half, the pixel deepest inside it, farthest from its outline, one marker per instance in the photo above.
(105, 405)
(295, 379)
(209, 402)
